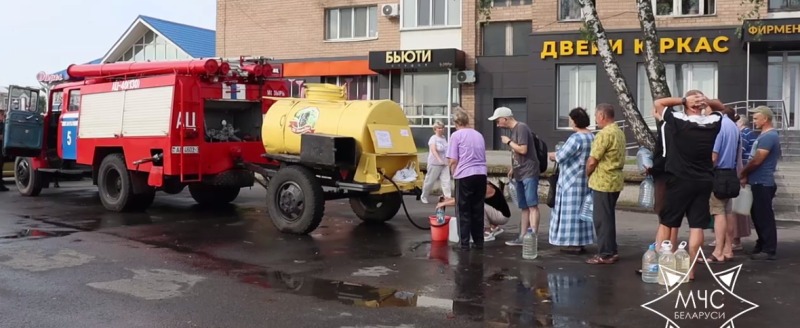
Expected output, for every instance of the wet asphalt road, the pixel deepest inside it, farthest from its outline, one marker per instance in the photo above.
(66, 262)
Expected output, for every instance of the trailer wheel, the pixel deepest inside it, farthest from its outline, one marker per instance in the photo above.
(209, 195)
(295, 201)
(114, 184)
(29, 181)
(376, 208)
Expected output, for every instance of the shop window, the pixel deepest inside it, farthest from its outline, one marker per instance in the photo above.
(351, 23)
(508, 3)
(784, 5)
(424, 97)
(430, 13)
(577, 87)
(296, 88)
(506, 38)
(680, 78)
(684, 7)
(362, 87)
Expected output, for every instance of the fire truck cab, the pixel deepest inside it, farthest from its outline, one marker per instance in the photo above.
(138, 128)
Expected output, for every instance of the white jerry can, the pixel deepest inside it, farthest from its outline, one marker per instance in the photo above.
(453, 233)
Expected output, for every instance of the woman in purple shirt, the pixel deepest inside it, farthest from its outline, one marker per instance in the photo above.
(467, 154)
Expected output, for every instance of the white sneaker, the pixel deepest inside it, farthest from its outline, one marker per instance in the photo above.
(488, 237)
(423, 199)
(496, 232)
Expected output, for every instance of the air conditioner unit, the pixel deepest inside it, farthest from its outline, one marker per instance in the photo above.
(390, 10)
(465, 77)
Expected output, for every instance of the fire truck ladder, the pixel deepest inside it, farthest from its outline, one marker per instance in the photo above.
(183, 131)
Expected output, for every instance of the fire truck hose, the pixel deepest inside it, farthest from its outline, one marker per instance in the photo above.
(402, 202)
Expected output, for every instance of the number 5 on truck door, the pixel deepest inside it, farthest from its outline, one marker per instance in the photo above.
(69, 136)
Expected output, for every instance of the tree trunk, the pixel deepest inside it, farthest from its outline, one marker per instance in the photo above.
(656, 73)
(640, 130)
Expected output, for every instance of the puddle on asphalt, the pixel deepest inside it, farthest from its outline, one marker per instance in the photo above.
(38, 233)
(467, 306)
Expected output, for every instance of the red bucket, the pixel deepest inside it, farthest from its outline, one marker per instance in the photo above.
(439, 232)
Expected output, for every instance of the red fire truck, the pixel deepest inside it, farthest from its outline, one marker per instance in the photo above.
(136, 128)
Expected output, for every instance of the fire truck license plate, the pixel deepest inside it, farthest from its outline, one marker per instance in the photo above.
(186, 149)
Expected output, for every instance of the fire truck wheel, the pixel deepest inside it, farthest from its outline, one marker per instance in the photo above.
(376, 209)
(295, 201)
(29, 181)
(114, 184)
(209, 195)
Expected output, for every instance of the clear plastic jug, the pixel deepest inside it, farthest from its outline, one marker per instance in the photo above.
(665, 260)
(650, 265)
(682, 261)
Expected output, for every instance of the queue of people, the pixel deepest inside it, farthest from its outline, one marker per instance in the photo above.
(704, 153)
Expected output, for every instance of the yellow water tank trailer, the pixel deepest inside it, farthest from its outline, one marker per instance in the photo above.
(366, 141)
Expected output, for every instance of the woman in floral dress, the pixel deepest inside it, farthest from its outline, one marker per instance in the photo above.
(566, 227)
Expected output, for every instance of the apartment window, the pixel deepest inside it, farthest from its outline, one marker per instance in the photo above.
(508, 3)
(351, 23)
(784, 5)
(577, 87)
(684, 7)
(424, 97)
(506, 38)
(569, 10)
(362, 87)
(430, 13)
(680, 78)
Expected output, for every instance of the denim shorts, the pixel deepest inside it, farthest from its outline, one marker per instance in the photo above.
(528, 192)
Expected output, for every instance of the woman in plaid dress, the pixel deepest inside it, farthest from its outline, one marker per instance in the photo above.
(566, 227)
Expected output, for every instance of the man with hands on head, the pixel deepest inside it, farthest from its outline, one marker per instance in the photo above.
(689, 142)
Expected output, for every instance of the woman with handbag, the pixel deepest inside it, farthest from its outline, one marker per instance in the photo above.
(566, 227)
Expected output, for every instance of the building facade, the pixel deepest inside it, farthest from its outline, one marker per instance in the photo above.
(432, 55)
(700, 46)
(409, 51)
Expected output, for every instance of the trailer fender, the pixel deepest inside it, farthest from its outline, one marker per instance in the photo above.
(156, 176)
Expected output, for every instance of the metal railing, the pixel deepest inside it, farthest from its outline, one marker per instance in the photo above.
(623, 125)
(781, 119)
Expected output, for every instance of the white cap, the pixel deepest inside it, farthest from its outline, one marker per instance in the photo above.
(501, 112)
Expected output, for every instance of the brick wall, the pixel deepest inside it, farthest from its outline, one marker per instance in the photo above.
(287, 30)
(623, 15)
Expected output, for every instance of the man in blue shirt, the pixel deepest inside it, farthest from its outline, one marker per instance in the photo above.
(727, 160)
(760, 174)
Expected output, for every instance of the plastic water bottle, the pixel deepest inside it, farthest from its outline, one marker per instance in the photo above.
(440, 215)
(587, 209)
(665, 260)
(650, 265)
(647, 193)
(530, 245)
(682, 262)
